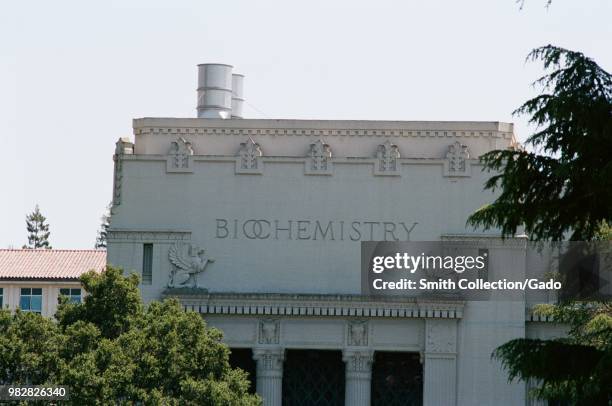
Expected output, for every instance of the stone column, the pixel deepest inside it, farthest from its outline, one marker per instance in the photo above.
(270, 374)
(440, 362)
(358, 377)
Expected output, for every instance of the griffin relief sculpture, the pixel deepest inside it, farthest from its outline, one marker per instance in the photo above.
(185, 268)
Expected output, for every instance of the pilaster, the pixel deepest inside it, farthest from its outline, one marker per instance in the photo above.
(358, 376)
(270, 374)
(440, 362)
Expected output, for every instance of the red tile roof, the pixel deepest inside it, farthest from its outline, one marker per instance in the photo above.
(49, 264)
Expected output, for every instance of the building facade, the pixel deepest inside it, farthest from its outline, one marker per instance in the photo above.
(258, 224)
(33, 280)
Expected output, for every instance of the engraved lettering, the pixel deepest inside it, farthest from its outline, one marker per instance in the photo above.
(320, 230)
(390, 229)
(267, 235)
(302, 230)
(371, 224)
(408, 230)
(329, 229)
(277, 229)
(354, 226)
(222, 226)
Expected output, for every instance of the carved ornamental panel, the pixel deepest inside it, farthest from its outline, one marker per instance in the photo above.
(180, 157)
(249, 159)
(319, 159)
(387, 160)
(457, 161)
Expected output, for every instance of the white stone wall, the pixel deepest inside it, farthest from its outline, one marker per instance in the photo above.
(418, 196)
(185, 181)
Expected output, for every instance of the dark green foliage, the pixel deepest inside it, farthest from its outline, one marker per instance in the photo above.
(577, 369)
(28, 347)
(534, 356)
(111, 349)
(565, 185)
(112, 304)
(38, 230)
(563, 188)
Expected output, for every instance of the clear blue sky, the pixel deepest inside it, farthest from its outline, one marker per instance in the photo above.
(73, 74)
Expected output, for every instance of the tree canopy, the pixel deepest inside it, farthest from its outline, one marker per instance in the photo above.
(112, 349)
(563, 187)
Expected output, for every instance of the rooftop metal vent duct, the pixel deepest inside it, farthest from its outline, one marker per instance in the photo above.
(214, 90)
(237, 95)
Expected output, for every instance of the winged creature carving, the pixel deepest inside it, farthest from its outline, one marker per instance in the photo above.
(185, 267)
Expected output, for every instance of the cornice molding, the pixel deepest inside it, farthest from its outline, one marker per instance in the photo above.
(326, 132)
(313, 305)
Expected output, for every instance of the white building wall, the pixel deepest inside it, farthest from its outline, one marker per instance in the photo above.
(197, 201)
(163, 206)
(50, 293)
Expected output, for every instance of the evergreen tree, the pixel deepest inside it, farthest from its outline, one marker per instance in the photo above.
(103, 231)
(562, 189)
(38, 230)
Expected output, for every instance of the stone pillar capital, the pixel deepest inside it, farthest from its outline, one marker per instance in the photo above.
(270, 374)
(358, 376)
(269, 359)
(358, 360)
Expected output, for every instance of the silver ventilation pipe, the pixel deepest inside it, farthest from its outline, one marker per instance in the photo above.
(237, 95)
(220, 93)
(214, 90)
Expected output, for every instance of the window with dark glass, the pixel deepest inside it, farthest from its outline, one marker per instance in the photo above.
(1, 298)
(397, 379)
(147, 264)
(313, 377)
(73, 294)
(31, 300)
